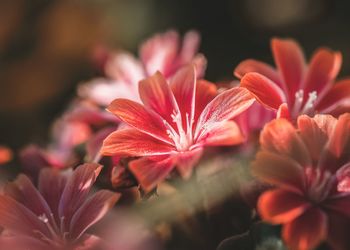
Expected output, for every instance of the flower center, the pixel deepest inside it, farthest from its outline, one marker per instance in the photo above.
(58, 236)
(302, 107)
(183, 139)
(318, 184)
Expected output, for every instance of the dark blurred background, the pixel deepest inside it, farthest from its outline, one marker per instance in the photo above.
(47, 46)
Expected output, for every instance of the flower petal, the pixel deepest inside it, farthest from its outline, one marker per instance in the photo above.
(186, 161)
(340, 205)
(51, 184)
(77, 188)
(338, 235)
(307, 231)
(279, 136)
(221, 134)
(343, 176)
(251, 65)
(290, 62)
(17, 218)
(156, 94)
(30, 196)
(205, 92)
(131, 142)
(91, 211)
(20, 242)
(223, 107)
(124, 67)
(137, 116)
(190, 46)
(278, 170)
(281, 206)
(323, 69)
(313, 136)
(265, 91)
(183, 85)
(340, 139)
(337, 99)
(150, 171)
(159, 52)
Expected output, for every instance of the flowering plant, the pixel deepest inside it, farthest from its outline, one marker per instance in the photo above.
(129, 135)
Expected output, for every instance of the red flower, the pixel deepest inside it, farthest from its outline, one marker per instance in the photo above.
(176, 121)
(307, 165)
(57, 214)
(306, 89)
(162, 52)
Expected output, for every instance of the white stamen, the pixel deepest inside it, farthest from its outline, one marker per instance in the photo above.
(299, 97)
(309, 105)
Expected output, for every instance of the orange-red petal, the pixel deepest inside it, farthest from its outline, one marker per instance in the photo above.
(131, 142)
(281, 206)
(323, 69)
(281, 137)
(307, 231)
(278, 170)
(265, 91)
(290, 62)
(150, 171)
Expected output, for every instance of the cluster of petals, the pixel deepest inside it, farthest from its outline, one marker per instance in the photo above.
(295, 87)
(163, 52)
(55, 215)
(174, 123)
(309, 168)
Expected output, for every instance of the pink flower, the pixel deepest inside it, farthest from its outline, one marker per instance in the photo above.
(162, 52)
(175, 123)
(309, 167)
(306, 89)
(57, 214)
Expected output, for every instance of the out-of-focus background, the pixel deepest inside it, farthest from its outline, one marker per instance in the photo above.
(47, 47)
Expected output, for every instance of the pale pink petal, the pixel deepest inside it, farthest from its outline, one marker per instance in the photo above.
(190, 46)
(337, 99)
(290, 63)
(159, 52)
(91, 211)
(156, 94)
(343, 176)
(223, 107)
(323, 69)
(103, 91)
(137, 116)
(77, 188)
(131, 142)
(200, 62)
(307, 231)
(124, 67)
(20, 242)
(150, 171)
(280, 170)
(279, 136)
(251, 65)
(221, 134)
(281, 206)
(265, 91)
